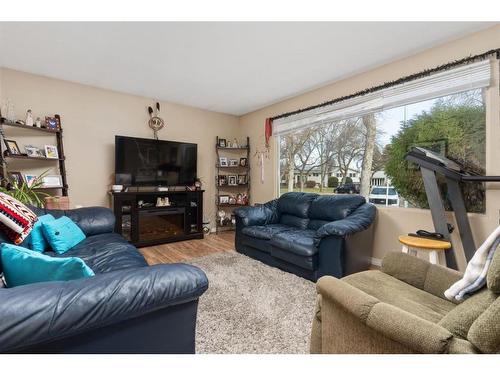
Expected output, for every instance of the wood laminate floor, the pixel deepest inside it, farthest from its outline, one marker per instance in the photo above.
(186, 250)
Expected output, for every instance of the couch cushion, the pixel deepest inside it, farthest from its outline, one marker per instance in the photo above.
(298, 242)
(296, 204)
(62, 234)
(308, 263)
(400, 294)
(294, 221)
(105, 253)
(22, 266)
(16, 220)
(459, 320)
(265, 232)
(493, 276)
(334, 207)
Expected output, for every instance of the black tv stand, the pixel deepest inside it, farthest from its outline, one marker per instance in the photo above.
(143, 223)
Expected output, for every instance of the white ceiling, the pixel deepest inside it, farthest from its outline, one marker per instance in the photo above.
(227, 67)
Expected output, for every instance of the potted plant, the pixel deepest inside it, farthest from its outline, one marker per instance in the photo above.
(29, 195)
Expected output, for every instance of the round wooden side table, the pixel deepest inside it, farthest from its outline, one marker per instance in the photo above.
(411, 245)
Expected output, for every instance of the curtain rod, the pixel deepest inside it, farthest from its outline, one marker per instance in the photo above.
(411, 77)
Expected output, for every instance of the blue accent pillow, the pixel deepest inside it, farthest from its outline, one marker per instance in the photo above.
(62, 234)
(22, 266)
(36, 241)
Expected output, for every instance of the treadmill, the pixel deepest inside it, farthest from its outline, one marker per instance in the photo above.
(430, 164)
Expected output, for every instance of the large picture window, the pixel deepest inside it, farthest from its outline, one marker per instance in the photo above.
(365, 153)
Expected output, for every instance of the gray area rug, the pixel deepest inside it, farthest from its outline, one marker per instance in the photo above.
(250, 307)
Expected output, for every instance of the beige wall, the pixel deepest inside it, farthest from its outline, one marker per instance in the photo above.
(392, 221)
(91, 117)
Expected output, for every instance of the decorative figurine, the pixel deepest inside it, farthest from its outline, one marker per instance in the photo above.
(38, 122)
(235, 143)
(197, 184)
(11, 113)
(222, 215)
(155, 121)
(29, 118)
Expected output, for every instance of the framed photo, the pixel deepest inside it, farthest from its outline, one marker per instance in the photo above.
(12, 147)
(242, 179)
(33, 152)
(243, 162)
(30, 179)
(232, 180)
(222, 142)
(52, 123)
(52, 181)
(223, 162)
(233, 162)
(16, 177)
(51, 152)
(223, 199)
(222, 180)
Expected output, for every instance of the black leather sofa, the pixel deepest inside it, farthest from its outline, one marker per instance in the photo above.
(127, 307)
(309, 235)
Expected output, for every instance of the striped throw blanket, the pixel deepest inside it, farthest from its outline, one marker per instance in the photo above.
(475, 274)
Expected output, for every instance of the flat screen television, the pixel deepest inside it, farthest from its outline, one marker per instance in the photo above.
(150, 162)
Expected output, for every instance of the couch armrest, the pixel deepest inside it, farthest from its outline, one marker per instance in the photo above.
(42, 312)
(398, 325)
(359, 220)
(421, 274)
(258, 215)
(91, 220)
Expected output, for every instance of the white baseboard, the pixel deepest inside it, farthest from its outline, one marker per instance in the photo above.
(376, 262)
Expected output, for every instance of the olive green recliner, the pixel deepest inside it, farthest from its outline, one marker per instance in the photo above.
(402, 309)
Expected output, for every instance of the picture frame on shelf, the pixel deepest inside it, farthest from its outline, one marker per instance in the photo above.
(33, 152)
(12, 147)
(222, 180)
(242, 179)
(243, 162)
(52, 181)
(222, 143)
(223, 199)
(30, 179)
(52, 123)
(223, 162)
(232, 180)
(16, 177)
(233, 162)
(51, 152)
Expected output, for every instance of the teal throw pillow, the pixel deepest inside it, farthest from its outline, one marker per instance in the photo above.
(22, 266)
(62, 234)
(36, 240)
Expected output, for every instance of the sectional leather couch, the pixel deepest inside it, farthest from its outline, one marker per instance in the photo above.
(309, 235)
(127, 307)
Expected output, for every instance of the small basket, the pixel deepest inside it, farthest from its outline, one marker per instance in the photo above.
(57, 203)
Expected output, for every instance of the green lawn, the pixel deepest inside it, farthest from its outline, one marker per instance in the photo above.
(309, 190)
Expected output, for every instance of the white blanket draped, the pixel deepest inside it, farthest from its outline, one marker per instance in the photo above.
(475, 274)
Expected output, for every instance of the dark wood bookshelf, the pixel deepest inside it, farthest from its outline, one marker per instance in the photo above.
(26, 157)
(244, 152)
(35, 128)
(4, 156)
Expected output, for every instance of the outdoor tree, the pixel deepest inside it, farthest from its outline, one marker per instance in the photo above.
(370, 125)
(291, 145)
(456, 128)
(309, 156)
(349, 145)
